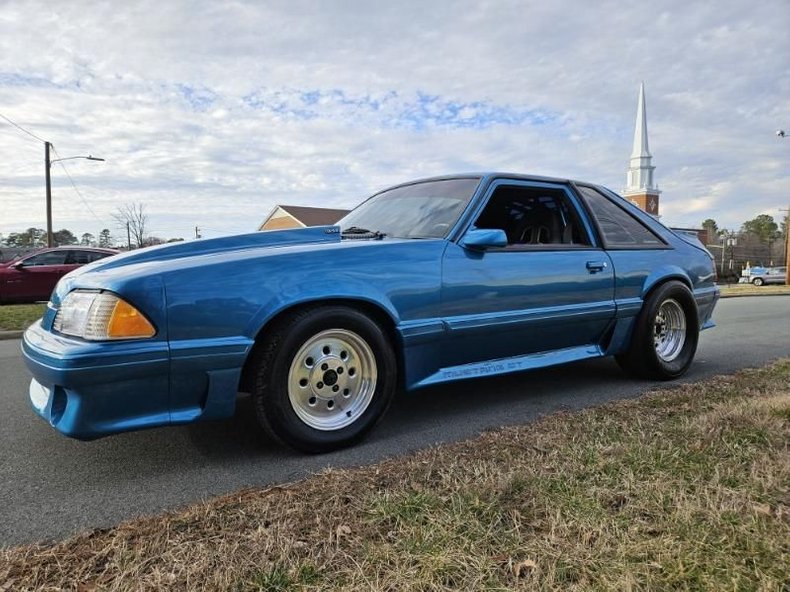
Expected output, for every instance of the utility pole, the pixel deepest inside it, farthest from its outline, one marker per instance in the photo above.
(782, 134)
(787, 244)
(128, 238)
(727, 240)
(787, 248)
(197, 232)
(47, 166)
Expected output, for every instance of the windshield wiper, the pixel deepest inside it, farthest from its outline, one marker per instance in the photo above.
(357, 232)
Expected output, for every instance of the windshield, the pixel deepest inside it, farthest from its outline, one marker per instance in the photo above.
(421, 210)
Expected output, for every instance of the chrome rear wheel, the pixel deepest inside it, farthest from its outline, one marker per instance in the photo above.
(665, 334)
(669, 330)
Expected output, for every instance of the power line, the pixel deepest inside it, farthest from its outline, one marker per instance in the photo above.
(74, 186)
(20, 128)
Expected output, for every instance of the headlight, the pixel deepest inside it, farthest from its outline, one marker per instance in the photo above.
(101, 316)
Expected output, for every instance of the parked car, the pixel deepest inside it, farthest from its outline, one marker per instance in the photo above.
(428, 282)
(33, 277)
(760, 276)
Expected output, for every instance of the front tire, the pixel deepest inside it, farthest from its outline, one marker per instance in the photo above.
(324, 377)
(665, 335)
(758, 282)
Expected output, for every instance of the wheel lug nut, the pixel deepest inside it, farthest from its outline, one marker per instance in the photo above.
(320, 385)
(339, 370)
(335, 388)
(324, 366)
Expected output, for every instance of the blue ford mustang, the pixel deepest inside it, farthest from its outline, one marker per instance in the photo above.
(428, 282)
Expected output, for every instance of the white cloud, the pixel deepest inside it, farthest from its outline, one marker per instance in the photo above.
(212, 112)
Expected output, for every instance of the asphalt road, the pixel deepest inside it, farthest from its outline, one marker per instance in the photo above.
(51, 486)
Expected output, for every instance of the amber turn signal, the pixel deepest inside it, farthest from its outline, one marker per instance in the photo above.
(126, 322)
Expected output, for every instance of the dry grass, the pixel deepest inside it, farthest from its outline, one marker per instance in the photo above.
(751, 290)
(15, 317)
(684, 489)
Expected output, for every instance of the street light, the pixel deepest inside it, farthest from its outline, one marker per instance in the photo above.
(47, 166)
(89, 157)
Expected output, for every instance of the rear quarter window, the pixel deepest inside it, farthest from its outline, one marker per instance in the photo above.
(619, 228)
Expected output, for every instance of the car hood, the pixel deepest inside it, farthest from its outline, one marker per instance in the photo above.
(153, 260)
(225, 244)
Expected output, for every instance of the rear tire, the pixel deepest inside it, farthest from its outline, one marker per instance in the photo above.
(665, 335)
(324, 377)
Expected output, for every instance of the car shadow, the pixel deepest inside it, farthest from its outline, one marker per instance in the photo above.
(439, 413)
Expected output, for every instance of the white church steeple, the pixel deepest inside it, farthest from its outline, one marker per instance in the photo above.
(640, 187)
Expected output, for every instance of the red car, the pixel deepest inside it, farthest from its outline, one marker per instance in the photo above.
(33, 277)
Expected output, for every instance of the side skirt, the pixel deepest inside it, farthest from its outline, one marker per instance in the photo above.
(514, 364)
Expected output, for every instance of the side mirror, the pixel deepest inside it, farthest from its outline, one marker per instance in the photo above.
(483, 238)
(18, 265)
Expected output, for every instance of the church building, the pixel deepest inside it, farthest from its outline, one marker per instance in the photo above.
(640, 188)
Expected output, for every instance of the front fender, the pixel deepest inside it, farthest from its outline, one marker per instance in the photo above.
(302, 293)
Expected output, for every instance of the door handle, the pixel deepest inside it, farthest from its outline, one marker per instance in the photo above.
(596, 266)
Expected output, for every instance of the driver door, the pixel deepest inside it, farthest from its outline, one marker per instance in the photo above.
(549, 289)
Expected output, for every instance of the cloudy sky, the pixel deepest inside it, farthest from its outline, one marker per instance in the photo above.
(211, 112)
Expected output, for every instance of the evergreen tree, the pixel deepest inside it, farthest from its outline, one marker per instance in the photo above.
(105, 239)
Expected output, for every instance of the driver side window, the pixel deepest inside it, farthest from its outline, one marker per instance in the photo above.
(534, 217)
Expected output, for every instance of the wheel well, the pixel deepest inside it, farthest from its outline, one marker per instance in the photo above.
(675, 278)
(378, 314)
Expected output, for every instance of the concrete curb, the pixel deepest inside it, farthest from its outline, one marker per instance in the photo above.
(753, 295)
(10, 335)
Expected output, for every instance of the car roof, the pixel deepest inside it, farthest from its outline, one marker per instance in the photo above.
(73, 248)
(488, 175)
(81, 247)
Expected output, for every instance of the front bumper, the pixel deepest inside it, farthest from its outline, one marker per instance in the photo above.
(86, 390)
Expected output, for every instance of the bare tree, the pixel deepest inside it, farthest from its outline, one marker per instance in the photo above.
(133, 217)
